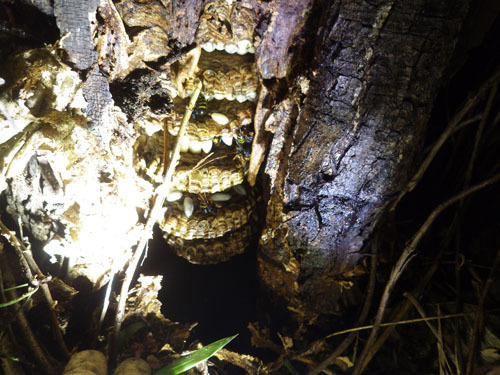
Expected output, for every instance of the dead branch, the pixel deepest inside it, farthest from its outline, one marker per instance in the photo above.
(29, 266)
(439, 337)
(479, 320)
(450, 129)
(404, 260)
(479, 133)
(28, 337)
(161, 192)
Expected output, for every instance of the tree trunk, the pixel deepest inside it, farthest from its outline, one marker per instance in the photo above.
(374, 73)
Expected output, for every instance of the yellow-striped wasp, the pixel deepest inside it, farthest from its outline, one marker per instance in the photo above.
(200, 109)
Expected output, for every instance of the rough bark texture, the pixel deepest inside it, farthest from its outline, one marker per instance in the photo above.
(375, 73)
(274, 54)
(73, 20)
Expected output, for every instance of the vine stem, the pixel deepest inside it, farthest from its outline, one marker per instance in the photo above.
(161, 193)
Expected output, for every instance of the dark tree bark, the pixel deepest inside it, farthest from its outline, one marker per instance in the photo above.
(375, 71)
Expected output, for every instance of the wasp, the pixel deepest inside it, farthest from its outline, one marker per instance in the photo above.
(244, 136)
(200, 109)
(208, 206)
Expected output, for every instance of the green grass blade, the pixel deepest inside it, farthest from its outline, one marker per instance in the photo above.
(202, 354)
(9, 357)
(16, 287)
(128, 332)
(24, 296)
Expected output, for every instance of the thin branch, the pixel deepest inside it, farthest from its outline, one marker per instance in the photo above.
(23, 326)
(467, 122)
(478, 322)
(405, 305)
(457, 128)
(29, 265)
(161, 193)
(479, 133)
(404, 260)
(485, 114)
(401, 322)
(440, 343)
(453, 123)
(32, 343)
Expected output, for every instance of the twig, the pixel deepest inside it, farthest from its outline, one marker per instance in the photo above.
(479, 133)
(105, 305)
(3, 298)
(161, 193)
(457, 128)
(403, 307)
(206, 161)
(458, 264)
(404, 260)
(401, 322)
(453, 123)
(456, 222)
(467, 122)
(29, 265)
(23, 325)
(478, 321)
(30, 340)
(362, 316)
(439, 337)
(318, 369)
(441, 349)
